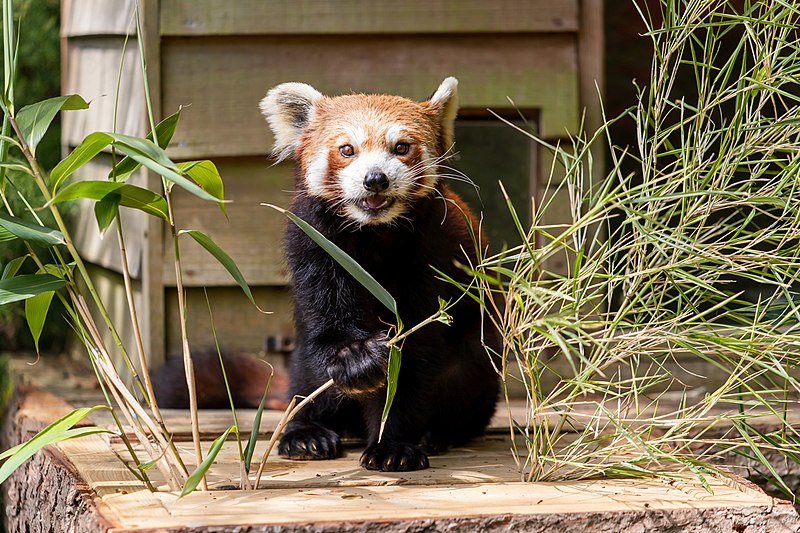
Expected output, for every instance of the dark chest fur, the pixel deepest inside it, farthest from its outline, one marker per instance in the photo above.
(404, 258)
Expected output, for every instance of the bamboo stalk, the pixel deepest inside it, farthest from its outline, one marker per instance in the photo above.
(288, 415)
(188, 365)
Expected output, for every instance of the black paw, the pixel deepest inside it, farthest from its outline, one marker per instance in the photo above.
(433, 446)
(360, 367)
(310, 442)
(394, 457)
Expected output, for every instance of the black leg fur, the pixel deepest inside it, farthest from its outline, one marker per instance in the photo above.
(447, 388)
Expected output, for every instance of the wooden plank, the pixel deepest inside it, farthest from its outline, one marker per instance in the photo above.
(590, 58)
(255, 17)
(93, 66)
(152, 312)
(475, 487)
(535, 71)
(97, 17)
(251, 234)
(239, 326)
(458, 486)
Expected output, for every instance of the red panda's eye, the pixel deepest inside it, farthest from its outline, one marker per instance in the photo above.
(401, 148)
(347, 150)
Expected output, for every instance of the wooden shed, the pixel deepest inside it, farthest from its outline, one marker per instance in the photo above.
(218, 58)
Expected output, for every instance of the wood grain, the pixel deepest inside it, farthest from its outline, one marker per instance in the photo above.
(256, 17)
(475, 481)
(224, 78)
(240, 327)
(94, 64)
(97, 17)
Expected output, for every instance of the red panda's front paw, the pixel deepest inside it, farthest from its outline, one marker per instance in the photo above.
(360, 367)
(394, 457)
(309, 442)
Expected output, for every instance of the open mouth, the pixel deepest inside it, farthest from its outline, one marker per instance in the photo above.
(375, 202)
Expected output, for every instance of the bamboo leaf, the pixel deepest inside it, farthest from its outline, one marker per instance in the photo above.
(12, 267)
(16, 166)
(391, 385)
(347, 262)
(206, 175)
(105, 211)
(36, 308)
(153, 157)
(33, 120)
(92, 145)
(28, 285)
(73, 433)
(224, 259)
(130, 195)
(251, 442)
(55, 432)
(202, 468)
(164, 130)
(30, 232)
(6, 236)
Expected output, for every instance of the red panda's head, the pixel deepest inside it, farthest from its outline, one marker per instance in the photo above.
(371, 156)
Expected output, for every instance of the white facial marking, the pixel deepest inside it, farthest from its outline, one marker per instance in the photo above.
(316, 172)
(357, 134)
(351, 183)
(393, 134)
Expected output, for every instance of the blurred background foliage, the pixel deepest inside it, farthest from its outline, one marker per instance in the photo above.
(38, 78)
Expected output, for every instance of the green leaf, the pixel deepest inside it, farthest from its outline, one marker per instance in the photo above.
(202, 468)
(12, 267)
(347, 262)
(36, 308)
(153, 157)
(23, 287)
(391, 385)
(164, 130)
(92, 145)
(6, 236)
(33, 120)
(55, 432)
(18, 167)
(73, 433)
(251, 442)
(105, 211)
(206, 175)
(30, 232)
(225, 260)
(130, 195)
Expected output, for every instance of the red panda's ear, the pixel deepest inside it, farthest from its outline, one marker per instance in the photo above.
(445, 102)
(288, 107)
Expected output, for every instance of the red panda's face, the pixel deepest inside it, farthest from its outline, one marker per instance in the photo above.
(369, 156)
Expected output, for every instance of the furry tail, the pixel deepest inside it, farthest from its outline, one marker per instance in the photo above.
(247, 377)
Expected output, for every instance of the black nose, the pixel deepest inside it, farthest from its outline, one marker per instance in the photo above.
(376, 181)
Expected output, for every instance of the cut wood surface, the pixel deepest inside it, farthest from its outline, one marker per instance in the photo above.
(475, 481)
(475, 487)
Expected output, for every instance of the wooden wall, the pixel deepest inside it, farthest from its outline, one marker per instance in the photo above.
(218, 58)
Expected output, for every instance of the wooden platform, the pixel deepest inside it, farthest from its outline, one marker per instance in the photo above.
(83, 485)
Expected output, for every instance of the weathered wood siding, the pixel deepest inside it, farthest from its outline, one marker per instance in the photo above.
(218, 58)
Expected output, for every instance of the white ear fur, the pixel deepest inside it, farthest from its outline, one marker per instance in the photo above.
(446, 99)
(288, 107)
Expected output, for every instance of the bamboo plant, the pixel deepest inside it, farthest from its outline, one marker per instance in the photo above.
(687, 248)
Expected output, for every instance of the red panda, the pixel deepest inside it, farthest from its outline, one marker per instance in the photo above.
(370, 178)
